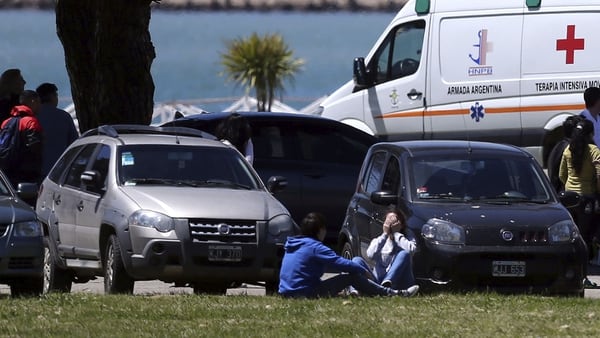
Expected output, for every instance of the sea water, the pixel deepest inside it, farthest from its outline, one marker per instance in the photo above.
(189, 45)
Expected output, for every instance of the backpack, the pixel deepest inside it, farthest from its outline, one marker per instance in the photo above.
(9, 143)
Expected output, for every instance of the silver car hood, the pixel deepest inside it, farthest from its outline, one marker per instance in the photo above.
(188, 202)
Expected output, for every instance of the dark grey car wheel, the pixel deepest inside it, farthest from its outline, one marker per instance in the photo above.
(116, 279)
(347, 251)
(55, 279)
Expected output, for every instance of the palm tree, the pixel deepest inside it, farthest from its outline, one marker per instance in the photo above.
(262, 64)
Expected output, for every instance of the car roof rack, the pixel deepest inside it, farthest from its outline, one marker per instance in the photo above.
(114, 130)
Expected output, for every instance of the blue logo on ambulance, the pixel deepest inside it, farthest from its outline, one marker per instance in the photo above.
(483, 48)
(477, 112)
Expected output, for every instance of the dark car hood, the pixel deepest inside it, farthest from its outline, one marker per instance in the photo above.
(12, 210)
(484, 223)
(483, 214)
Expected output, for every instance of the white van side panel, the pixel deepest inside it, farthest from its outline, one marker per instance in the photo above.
(474, 77)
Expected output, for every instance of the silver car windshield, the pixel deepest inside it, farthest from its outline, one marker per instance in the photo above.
(185, 166)
(494, 180)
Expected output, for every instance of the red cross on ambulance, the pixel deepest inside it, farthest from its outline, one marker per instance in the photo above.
(570, 44)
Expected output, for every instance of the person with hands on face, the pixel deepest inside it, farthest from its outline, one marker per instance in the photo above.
(392, 252)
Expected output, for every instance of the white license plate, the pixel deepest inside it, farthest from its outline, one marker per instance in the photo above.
(224, 253)
(508, 269)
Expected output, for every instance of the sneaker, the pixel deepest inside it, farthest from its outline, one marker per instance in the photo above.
(386, 283)
(588, 284)
(411, 291)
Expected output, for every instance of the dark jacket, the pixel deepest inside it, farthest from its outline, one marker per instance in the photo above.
(304, 264)
(554, 164)
(29, 165)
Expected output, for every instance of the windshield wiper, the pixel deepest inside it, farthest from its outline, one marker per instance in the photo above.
(446, 196)
(225, 183)
(160, 181)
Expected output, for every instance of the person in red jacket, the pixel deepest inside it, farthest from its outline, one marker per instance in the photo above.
(29, 164)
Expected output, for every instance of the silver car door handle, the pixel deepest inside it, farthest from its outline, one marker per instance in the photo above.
(80, 206)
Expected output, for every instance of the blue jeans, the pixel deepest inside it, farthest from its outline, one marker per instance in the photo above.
(400, 272)
(334, 285)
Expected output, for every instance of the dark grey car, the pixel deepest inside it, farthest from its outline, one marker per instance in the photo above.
(21, 240)
(485, 216)
(319, 157)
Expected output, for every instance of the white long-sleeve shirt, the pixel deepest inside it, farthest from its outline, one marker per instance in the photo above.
(382, 251)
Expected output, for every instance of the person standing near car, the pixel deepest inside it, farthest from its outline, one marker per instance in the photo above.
(29, 160)
(556, 154)
(236, 131)
(58, 125)
(580, 172)
(591, 98)
(392, 252)
(12, 85)
(306, 258)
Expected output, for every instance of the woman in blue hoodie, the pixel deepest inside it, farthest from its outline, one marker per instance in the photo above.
(306, 259)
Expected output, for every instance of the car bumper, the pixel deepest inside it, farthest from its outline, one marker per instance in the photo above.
(20, 258)
(176, 261)
(556, 269)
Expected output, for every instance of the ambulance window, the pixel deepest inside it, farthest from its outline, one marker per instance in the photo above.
(400, 53)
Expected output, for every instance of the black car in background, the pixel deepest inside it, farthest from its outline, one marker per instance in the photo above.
(485, 217)
(319, 157)
(21, 240)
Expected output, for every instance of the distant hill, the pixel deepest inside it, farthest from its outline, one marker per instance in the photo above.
(258, 5)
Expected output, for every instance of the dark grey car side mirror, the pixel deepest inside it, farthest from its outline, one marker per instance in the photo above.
(276, 183)
(569, 199)
(384, 197)
(27, 190)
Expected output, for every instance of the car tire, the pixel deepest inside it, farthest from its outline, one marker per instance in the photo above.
(116, 279)
(203, 288)
(347, 251)
(31, 287)
(55, 278)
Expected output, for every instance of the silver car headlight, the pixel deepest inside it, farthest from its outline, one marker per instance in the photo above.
(152, 219)
(28, 229)
(280, 227)
(443, 231)
(562, 232)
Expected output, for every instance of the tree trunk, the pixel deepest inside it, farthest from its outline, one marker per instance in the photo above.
(108, 55)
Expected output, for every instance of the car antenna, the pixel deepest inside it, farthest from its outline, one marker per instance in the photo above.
(469, 149)
(177, 115)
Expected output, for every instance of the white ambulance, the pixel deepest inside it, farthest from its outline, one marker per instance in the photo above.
(506, 71)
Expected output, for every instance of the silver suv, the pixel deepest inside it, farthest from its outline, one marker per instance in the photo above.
(131, 203)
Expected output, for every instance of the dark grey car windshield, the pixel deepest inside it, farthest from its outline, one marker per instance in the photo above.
(185, 166)
(491, 179)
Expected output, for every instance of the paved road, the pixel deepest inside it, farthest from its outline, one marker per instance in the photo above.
(156, 287)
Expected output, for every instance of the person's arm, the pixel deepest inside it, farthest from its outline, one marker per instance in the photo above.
(595, 153)
(563, 170)
(407, 241)
(332, 261)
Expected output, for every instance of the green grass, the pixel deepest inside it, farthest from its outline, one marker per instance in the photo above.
(443, 315)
